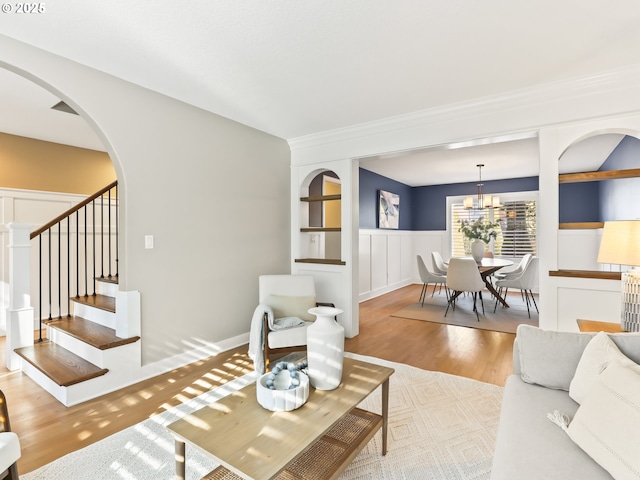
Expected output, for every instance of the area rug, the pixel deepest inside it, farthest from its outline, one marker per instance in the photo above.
(440, 427)
(503, 320)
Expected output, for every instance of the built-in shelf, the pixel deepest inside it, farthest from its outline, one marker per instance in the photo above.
(581, 225)
(586, 274)
(321, 198)
(325, 261)
(597, 176)
(321, 229)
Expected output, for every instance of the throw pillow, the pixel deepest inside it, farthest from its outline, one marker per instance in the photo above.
(549, 358)
(607, 424)
(291, 306)
(598, 354)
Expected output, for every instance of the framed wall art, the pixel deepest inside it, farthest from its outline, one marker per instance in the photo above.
(389, 210)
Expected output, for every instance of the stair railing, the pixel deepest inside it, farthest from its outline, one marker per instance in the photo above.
(82, 257)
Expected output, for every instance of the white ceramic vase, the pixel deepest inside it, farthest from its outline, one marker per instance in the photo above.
(477, 250)
(325, 349)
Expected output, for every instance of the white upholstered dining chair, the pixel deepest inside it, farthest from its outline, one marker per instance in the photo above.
(525, 282)
(439, 266)
(427, 277)
(463, 276)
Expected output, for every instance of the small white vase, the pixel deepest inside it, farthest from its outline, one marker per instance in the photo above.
(477, 250)
(325, 349)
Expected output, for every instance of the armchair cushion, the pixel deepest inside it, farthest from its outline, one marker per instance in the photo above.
(292, 306)
(9, 450)
(289, 336)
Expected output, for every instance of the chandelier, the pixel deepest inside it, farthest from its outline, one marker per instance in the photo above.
(484, 201)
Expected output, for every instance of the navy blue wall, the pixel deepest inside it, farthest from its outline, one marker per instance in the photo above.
(425, 208)
(605, 200)
(618, 198)
(430, 207)
(370, 184)
(579, 202)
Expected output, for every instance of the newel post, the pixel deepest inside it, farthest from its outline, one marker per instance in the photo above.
(20, 313)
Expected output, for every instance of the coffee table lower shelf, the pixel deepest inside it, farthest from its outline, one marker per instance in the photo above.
(329, 456)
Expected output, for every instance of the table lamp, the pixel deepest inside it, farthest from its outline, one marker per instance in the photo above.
(620, 244)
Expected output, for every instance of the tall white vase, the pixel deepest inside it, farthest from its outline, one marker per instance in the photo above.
(477, 250)
(325, 349)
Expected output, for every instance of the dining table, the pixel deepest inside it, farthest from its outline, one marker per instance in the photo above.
(487, 267)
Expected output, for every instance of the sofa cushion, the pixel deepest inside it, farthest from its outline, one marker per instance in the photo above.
(529, 446)
(607, 424)
(598, 354)
(549, 358)
(292, 306)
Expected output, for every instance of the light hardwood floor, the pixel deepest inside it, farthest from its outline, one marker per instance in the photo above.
(48, 430)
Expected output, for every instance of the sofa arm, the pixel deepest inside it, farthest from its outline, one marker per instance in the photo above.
(516, 358)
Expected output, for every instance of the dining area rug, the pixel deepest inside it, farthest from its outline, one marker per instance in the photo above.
(503, 320)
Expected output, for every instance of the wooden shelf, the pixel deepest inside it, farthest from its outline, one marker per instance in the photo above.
(581, 225)
(597, 176)
(325, 261)
(321, 229)
(586, 274)
(321, 198)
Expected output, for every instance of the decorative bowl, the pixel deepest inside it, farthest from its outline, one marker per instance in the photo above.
(283, 398)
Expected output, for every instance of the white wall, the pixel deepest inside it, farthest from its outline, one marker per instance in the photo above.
(214, 193)
(29, 207)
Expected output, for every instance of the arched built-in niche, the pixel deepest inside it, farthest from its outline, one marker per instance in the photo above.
(320, 219)
(599, 174)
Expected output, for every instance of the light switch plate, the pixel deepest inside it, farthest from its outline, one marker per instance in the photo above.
(148, 241)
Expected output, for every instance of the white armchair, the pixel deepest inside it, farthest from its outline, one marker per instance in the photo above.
(281, 319)
(9, 444)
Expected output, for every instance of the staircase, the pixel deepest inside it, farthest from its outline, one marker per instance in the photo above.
(88, 349)
(82, 356)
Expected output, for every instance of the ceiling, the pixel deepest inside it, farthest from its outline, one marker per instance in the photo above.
(294, 68)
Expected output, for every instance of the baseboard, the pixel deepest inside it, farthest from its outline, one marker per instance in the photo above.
(381, 291)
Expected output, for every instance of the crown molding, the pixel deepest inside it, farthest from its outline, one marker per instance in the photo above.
(565, 100)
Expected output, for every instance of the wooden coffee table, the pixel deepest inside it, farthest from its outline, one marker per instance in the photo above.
(316, 441)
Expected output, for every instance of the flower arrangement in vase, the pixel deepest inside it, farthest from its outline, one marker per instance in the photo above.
(480, 233)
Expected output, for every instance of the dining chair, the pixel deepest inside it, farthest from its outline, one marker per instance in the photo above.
(516, 271)
(427, 277)
(463, 276)
(525, 281)
(439, 266)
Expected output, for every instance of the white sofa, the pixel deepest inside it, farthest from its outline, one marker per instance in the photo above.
(529, 445)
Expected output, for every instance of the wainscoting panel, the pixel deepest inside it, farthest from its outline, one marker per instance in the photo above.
(578, 249)
(387, 261)
(378, 262)
(591, 302)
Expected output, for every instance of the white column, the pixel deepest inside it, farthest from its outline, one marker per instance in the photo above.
(20, 312)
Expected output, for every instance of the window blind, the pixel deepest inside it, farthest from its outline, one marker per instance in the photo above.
(516, 231)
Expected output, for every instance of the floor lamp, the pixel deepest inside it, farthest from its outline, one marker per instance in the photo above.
(620, 244)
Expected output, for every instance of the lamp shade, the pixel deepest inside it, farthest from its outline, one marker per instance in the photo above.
(620, 243)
